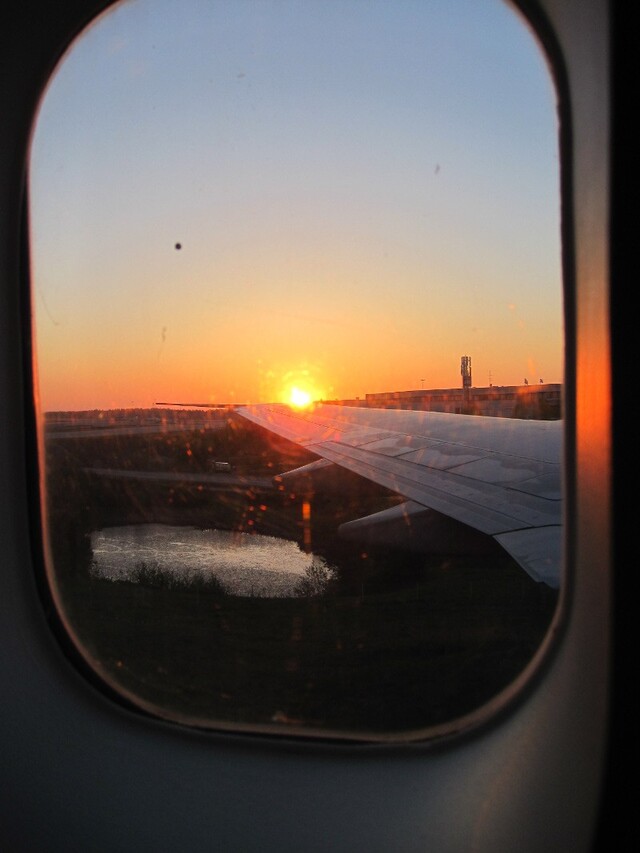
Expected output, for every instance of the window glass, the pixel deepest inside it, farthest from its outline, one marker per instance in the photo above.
(297, 312)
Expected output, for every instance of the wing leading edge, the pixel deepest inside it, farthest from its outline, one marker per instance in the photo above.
(499, 476)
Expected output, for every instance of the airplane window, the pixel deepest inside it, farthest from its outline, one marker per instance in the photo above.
(298, 334)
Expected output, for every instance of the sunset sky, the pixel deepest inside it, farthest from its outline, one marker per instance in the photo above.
(230, 199)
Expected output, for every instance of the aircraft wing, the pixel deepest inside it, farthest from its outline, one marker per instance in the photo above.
(500, 476)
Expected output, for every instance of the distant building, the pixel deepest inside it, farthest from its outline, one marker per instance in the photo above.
(539, 402)
(536, 402)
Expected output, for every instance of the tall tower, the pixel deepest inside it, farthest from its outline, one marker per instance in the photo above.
(465, 370)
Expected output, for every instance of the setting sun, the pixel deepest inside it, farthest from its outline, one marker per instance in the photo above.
(299, 398)
(299, 387)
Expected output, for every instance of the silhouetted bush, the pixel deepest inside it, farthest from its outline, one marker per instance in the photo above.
(154, 576)
(317, 578)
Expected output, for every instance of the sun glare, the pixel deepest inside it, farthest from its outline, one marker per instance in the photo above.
(299, 398)
(300, 387)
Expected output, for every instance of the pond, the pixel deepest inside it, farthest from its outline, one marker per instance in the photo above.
(246, 564)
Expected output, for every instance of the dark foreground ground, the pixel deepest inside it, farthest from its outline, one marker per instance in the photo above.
(380, 662)
(395, 642)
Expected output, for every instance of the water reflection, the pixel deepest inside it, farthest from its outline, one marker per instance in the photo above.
(246, 564)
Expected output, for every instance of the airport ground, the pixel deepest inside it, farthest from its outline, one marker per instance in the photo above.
(395, 642)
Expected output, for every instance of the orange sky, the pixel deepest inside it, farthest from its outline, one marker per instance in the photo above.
(221, 212)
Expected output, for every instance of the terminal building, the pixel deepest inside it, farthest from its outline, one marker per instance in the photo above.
(542, 401)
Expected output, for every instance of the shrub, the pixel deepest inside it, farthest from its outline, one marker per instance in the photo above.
(154, 576)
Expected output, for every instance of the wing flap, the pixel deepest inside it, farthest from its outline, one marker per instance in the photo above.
(498, 476)
(538, 551)
(485, 506)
